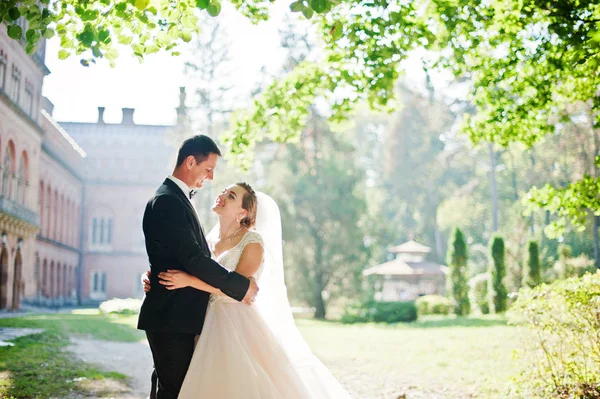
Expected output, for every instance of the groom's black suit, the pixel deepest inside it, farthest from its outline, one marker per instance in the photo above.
(175, 240)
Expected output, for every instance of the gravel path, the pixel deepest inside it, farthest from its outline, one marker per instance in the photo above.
(132, 359)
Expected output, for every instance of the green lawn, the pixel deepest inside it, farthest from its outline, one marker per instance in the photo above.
(441, 358)
(39, 367)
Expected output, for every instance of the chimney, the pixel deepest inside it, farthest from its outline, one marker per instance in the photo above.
(101, 114)
(128, 116)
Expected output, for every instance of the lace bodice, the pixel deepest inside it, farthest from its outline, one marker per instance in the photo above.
(231, 257)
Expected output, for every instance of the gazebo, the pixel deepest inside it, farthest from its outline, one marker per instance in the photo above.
(408, 276)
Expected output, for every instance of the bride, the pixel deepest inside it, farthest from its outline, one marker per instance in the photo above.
(250, 352)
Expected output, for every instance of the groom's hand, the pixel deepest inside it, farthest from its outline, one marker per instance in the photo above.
(251, 293)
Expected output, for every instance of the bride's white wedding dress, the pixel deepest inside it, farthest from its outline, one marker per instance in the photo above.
(238, 356)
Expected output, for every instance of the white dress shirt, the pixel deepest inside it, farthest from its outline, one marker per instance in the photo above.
(184, 187)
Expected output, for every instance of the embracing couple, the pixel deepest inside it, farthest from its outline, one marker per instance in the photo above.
(212, 335)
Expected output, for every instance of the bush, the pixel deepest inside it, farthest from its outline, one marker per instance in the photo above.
(433, 305)
(479, 295)
(458, 288)
(562, 356)
(380, 312)
(532, 275)
(127, 306)
(498, 293)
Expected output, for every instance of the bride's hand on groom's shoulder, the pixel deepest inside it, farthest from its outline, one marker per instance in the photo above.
(175, 279)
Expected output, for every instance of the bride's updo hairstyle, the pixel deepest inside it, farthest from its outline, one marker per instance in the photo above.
(249, 203)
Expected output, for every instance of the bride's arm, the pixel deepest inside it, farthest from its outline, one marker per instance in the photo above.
(251, 259)
(175, 279)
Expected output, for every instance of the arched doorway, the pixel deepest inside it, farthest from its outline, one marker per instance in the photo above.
(3, 278)
(16, 297)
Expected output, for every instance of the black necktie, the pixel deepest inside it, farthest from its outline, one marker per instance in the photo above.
(192, 193)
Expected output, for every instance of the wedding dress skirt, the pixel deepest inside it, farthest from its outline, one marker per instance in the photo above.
(237, 356)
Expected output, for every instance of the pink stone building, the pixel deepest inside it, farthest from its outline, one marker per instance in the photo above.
(72, 195)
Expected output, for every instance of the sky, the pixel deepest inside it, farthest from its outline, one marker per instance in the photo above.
(152, 87)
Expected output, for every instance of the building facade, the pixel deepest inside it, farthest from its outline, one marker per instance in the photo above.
(72, 195)
(125, 164)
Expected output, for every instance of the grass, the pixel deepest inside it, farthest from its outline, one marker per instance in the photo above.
(442, 357)
(38, 366)
(437, 357)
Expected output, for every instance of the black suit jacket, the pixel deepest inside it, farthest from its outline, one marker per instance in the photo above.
(175, 240)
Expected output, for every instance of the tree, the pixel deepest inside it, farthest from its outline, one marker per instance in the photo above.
(526, 60)
(209, 70)
(532, 275)
(457, 281)
(91, 29)
(497, 273)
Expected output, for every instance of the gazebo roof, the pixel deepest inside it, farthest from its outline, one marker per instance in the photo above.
(411, 247)
(398, 267)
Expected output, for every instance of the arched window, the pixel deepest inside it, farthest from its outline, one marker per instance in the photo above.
(8, 170)
(45, 278)
(101, 230)
(49, 210)
(42, 209)
(51, 280)
(22, 180)
(56, 213)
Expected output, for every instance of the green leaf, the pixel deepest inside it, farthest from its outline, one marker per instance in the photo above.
(111, 54)
(189, 22)
(14, 13)
(297, 6)
(15, 32)
(104, 35)
(63, 54)
(307, 12)
(319, 6)
(214, 9)
(48, 34)
(594, 36)
(96, 52)
(186, 36)
(123, 39)
(30, 48)
(141, 4)
(202, 4)
(337, 30)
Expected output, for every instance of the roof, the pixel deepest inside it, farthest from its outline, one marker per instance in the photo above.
(412, 247)
(398, 267)
(65, 135)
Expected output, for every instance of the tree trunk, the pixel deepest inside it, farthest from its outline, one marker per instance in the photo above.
(319, 286)
(436, 229)
(595, 167)
(493, 188)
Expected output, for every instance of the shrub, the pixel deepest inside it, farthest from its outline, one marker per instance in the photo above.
(127, 306)
(433, 305)
(380, 312)
(457, 280)
(498, 292)
(562, 355)
(479, 295)
(532, 275)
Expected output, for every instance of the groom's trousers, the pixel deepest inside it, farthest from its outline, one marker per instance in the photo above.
(172, 354)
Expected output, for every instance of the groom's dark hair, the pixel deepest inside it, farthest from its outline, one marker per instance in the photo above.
(200, 147)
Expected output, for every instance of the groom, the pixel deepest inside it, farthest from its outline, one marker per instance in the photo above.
(175, 240)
